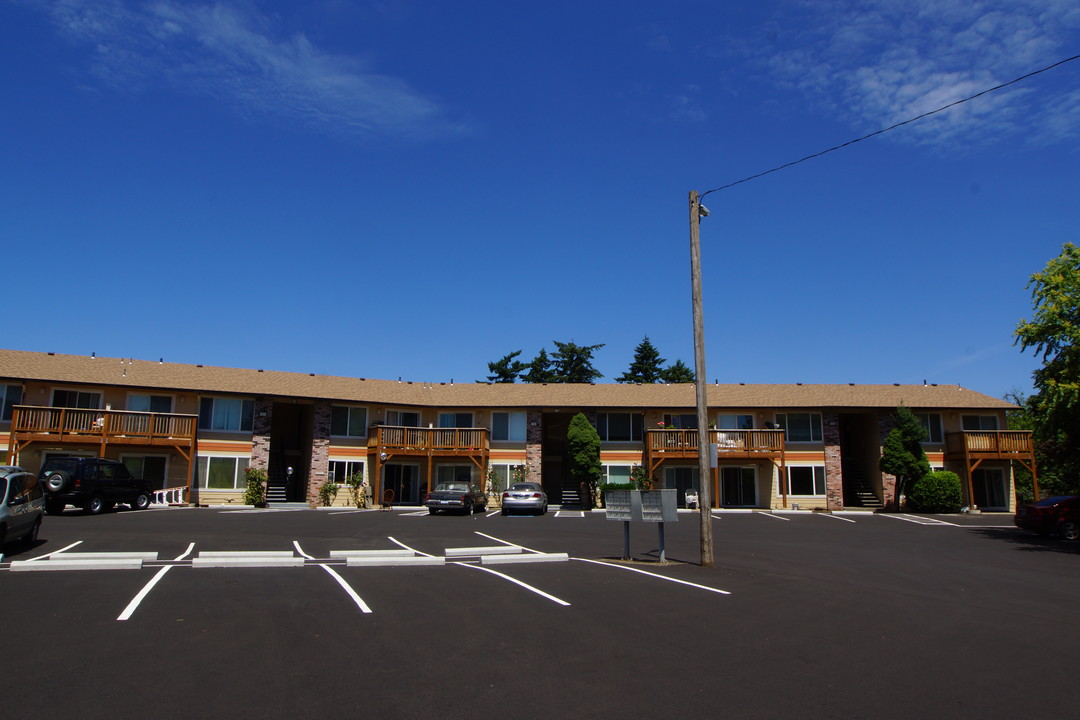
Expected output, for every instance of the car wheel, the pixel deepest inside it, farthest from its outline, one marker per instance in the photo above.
(54, 507)
(431, 511)
(58, 481)
(543, 510)
(141, 502)
(94, 505)
(1069, 530)
(31, 537)
(504, 511)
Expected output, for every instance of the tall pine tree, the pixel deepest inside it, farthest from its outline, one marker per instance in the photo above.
(647, 366)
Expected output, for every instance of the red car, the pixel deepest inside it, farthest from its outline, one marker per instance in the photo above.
(1053, 516)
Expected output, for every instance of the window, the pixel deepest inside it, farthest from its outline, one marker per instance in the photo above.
(800, 427)
(347, 421)
(222, 473)
(735, 422)
(10, 396)
(932, 423)
(617, 474)
(218, 413)
(455, 420)
(806, 480)
(508, 426)
(402, 418)
(341, 470)
(453, 473)
(150, 403)
(619, 427)
(680, 422)
(151, 468)
(979, 422)
(76, 399)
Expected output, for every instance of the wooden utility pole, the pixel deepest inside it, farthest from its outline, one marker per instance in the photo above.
(704, 464)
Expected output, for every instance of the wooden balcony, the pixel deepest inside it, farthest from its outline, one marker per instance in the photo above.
(77, 426)
(990, 445)
(428, 441)
(663, 445)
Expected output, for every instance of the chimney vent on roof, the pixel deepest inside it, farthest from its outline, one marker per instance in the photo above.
(896, 384)
(52, 353)
(198, 366)
(92, 355)
(259, 370)
(160, 360)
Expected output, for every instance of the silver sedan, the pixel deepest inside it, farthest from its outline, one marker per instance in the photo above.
(525, 496)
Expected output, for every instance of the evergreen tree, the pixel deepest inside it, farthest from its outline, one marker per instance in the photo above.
(540, 369)
(506, 369)
(647, 366)
(573, 363)
(583, 458)
(678, 373)
(902, 454)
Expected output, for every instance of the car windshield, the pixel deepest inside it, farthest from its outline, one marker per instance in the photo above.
(525, 487)
(452, 487)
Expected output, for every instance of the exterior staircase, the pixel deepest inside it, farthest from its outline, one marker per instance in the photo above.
(570, 496)
(859, 494)
(275, 489)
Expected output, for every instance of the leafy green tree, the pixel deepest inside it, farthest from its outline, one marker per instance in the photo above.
(678, 373)
(540, 370)
(583, 458)
(1053, 334)
(647, 366)
(506, 369)
(902, 453)
(573, 363)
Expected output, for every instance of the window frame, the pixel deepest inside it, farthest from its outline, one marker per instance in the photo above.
(247, 414)
(349, 410)
(928, 419)
(8, 402)
(512, 434)
(815, 472)
(636, 427)
(150, 402)
(78, 391)
(981, 418)
(202, 465)
(816, 427)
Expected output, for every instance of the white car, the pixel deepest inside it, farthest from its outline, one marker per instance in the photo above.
(525, 496)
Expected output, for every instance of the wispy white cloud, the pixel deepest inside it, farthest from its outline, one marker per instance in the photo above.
(877, 62)
(231, 53)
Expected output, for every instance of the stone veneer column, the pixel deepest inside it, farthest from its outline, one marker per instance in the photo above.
(888, 482)
(260, 435)
(834, 474)
(534, 446)
(320, 452)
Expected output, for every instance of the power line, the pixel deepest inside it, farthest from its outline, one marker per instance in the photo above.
(891, 127)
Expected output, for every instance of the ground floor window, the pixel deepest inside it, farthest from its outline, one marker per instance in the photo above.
(154, 469)
(453, 473)
(503, 475)
(617, 474)
(339, 471)
(222, 473)
(806, 480)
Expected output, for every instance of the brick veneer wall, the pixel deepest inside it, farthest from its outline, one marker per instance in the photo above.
(320, 451)
(260, 434)
(534, 446)
(834, 474)
(888, 482)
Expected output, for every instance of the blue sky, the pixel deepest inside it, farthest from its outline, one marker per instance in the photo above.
(416, 188)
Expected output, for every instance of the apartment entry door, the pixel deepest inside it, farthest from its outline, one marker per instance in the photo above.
(738, 487)
(404, 480)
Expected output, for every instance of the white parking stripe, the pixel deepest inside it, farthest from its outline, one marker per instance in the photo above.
(505, 542)
(777, 517)
(835, 517)
(341, 581)
(398, 542)
(528, 587)
(130, 609)
(655, 575)
(47, 555)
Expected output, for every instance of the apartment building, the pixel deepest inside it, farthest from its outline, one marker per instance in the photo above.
(198, 427)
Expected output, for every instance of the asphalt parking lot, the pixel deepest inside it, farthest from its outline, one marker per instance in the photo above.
(805, 615)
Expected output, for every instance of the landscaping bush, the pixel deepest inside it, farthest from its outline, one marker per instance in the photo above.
(936, 492)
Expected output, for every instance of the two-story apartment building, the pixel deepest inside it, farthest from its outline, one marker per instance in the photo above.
(198, 427)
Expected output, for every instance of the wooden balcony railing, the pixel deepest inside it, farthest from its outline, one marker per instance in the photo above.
(392, 438)
(731, 442)
(81, 424)
(991, 444)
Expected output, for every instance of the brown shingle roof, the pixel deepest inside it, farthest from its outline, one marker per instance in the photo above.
(80, 369)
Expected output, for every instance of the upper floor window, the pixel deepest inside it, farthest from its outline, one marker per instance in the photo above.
(680, 422)
(403, 418)
(735, 422)
(620, 427)
(455, 420)
(979, 422)
(220, 413)
(76, 399)
(508, 426)
(932, 423)
(150, 403)
(10, 396)
(800, 427)
(348, 421)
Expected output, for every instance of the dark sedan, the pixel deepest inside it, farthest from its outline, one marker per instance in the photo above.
(461, 496)
(1058, 515)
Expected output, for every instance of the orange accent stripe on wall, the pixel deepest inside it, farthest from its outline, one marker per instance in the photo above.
(224, 447)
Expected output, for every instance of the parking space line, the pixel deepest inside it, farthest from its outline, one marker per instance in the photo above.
(505, 542)
(47, 555)
(527, 586)
(135, 601)
(493, 512)
(364, 608)
(777, 517)
(655, 575)
(398, 542)
(835, 517)
(920, 521)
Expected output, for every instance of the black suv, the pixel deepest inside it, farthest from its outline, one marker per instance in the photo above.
(93, 484)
